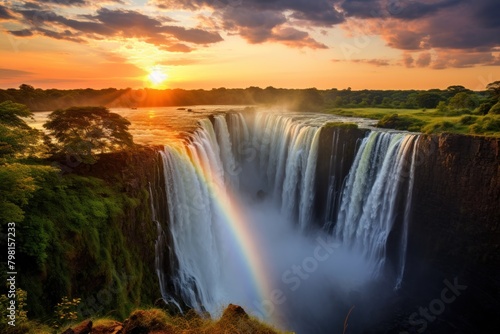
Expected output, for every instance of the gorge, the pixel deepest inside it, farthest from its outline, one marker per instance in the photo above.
(298, 221)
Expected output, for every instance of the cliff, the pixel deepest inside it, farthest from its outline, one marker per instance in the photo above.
(455, 224)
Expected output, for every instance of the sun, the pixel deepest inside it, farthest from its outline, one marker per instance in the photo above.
(157, 76)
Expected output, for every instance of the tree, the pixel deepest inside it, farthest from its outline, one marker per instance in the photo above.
(427, 100)
(83, 132)
(463, 100)
(17, 181)
(494, 88)
(17, 138)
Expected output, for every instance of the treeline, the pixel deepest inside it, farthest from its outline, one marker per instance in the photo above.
(455, 97)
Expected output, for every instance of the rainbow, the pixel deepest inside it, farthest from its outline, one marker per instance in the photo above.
(240, 228)
(249, 249)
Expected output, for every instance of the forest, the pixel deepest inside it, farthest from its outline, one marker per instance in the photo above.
(454, 97)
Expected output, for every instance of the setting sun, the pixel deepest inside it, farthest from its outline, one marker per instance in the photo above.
(157, 76)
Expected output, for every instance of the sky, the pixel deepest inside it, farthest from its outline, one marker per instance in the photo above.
(204, 44)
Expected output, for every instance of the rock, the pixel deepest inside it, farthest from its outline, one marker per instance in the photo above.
(111, 327)
(147, 321)
(82, 328)
(234, 312)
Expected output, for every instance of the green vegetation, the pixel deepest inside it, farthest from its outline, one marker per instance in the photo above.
(454, 110)
(83, 132)
(76, 234)
(428, 121)
(233, 320)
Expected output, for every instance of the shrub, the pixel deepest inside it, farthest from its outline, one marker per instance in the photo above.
(486, 125)
(437, 127)
(468, 120)
(394, 121)
(495, 110)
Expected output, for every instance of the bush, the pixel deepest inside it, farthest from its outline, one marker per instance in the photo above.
(483, 108)
(394, 121)
(468, 120)
(438, 127)
(495, 110)
(486, 125)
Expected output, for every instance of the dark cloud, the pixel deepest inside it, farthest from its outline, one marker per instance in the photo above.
(5, 13)
(65, 34)
(31, 5)
(296, 39)
(259, 21)
(76, 3)
(107, 23)
(402, 9)
(21, 33)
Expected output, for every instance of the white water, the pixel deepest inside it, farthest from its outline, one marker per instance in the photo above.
(270, 166)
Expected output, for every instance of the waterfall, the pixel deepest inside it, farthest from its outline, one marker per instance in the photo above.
(369, 205)
(288, 155)
(270, 161)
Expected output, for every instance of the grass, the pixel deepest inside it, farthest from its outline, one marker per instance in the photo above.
(427, 121)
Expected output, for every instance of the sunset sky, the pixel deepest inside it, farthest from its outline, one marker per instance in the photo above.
(372, 44)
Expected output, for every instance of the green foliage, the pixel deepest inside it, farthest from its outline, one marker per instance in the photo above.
(394, 121)
(495, 110)
(21, 315)
(16, 137)
(486, 125)
(66, 311)
(428, 100)
(82, 132)
(12, 114)
(438, 127)
(468, 120)
(494, 89)
(483, 108)
(73, 237)
(18, 182)
(464, 101)
(442, 107)
(431, 121)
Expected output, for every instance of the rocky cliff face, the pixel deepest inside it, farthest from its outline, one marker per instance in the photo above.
(135, 173)
(337, 149)
(455, 224)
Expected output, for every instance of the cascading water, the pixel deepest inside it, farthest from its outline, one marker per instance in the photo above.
(369, 206)
(266, 170)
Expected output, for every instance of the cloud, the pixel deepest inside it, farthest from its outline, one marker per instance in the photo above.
(296, 38)
(374, 62)
(459, 59)
(423, 60)
(466, 29)
(114, 23)
(265, 21)
(76, 3)
(6, 72)
(179, 62)
(21, 33)
(5, 14)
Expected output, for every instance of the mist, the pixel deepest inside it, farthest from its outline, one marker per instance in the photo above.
(318, 281)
